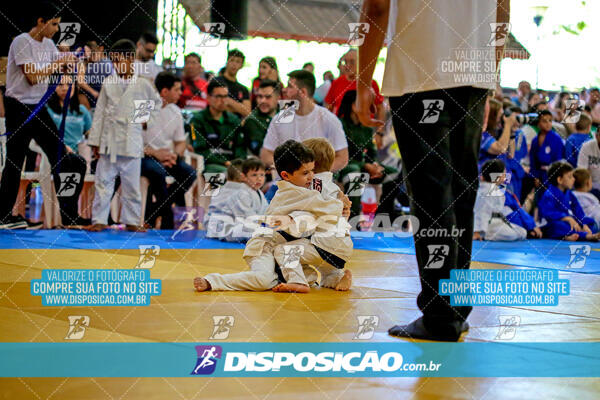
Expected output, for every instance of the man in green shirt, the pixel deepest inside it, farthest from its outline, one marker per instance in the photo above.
(256, 124)
(216, 133)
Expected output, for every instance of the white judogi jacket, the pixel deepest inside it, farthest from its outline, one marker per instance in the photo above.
(490, 200)
(590, 204)
(113, 129)
(300, 203)
(323, 182)
(234, 199)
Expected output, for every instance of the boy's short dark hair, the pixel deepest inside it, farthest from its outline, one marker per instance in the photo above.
(234, 170)
(544, 112)
(558, 169)
(165, 80)
(196, 55)
(493, 166)
(236, 53)
(253, 164)
(304, 80)
(215, 83)
(290, 156)
(148, 37)
(46, 10)
(582, 176)
(269, 83)
(122, 47)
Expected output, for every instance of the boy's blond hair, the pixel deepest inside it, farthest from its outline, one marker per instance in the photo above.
(324, 153)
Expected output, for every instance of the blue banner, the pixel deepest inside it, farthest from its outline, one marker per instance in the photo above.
(223, 359)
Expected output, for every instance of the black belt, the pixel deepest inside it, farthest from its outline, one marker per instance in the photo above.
(330, 258)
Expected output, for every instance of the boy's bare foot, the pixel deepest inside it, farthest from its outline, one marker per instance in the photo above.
(592, 237)
(135, 228)
(572, 238)
(201, 284)
(97, 227)
(346, 281)
(291, 288)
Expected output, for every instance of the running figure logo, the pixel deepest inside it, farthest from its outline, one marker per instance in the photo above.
(356, 183)
(432, 111)
(68, 183)
(207, 359)
(213, 182)
(287, 111)
(498, 186)
(222, 326)
(68, 33)
(148, 255)
(142, 111)
(358, 31)
(499, 33)
(579, 254)
(77, 325)
(187, 222)
(573, 110)
(508, 327)
(366, 326)
(437, 255)
(213, 32)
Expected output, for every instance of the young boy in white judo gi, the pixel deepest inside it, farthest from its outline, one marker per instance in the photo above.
(126, 105)
(588, 202)
(237, 201)
(293, 202)
(323, 182)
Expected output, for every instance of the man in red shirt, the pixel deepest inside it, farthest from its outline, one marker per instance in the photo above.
(346, 82)
(193, 84)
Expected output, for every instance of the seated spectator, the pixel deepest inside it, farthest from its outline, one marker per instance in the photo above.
(531, 130)
(310, 67)
(309, 120)
(589, 158)
(78, 121)
(145, 66)
(503, 145)
(238, 101)
(216, 133)
(322, 90)
(546, 148)
(346, 82)
(594, 104)
(560, 208)
(362, 155)
(97, 68)
(489, 221)
(577, 139)
(237, 200)
(589, 203)
(267, 70)
(193, 96)
(522, 97)
(255, 125)
(164, 145)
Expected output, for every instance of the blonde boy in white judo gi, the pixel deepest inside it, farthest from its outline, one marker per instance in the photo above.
(126, 105)
(288, 212)
(237, 201)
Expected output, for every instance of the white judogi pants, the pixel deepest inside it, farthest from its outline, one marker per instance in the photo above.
(262, 275)
(129, 169)
(297, 270)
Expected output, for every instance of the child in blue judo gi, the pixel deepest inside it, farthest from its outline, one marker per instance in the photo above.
(546, 148)
(561, 209)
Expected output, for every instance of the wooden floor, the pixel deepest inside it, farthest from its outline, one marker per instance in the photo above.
(385, 285)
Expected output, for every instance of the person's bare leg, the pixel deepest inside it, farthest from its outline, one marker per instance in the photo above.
(346, 281)
(291, 288)
(201, 284)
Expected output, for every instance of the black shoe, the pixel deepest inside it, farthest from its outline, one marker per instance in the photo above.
(14, 222)
(417, 330)
(18, 222)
